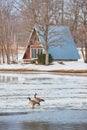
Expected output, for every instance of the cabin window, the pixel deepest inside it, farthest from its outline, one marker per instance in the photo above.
(33, 53)
(39, 51)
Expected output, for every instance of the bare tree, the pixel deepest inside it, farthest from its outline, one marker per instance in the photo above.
(83, 23)
(6, 28)
(76, 19)
(43, 13)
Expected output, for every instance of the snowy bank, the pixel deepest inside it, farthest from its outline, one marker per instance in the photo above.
(67, 67)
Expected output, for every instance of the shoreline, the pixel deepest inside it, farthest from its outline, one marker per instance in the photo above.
(60, 71)
(68, 68)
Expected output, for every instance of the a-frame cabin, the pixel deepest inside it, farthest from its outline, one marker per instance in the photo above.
(65, 50)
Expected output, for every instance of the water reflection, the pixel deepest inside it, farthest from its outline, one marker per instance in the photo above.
(40, 126)
(5, 79)
(50, 126)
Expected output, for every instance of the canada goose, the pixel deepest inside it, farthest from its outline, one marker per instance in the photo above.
(32, 102)
(37, 99)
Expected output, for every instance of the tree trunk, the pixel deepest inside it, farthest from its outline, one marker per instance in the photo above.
(83, 55)
(0, 55)
(8, 58)
(47, 58)
(6, 52)
(17, 52)
(3, 58)
(86, 53)
(46, 40)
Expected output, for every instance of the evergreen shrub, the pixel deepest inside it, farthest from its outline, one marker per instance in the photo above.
(41, 58)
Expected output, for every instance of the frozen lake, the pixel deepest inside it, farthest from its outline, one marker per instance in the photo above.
(58, 91)
(65, 98)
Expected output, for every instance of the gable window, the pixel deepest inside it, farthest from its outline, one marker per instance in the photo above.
(33, 53)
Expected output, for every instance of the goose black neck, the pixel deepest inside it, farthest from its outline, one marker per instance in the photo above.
(29, 98)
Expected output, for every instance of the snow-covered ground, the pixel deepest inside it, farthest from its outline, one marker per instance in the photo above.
(67, 65)
(71, 65)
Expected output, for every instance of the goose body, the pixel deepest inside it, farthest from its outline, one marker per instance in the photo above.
(31, 102)
(37, 99)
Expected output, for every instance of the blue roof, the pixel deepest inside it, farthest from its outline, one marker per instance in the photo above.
(61, 43)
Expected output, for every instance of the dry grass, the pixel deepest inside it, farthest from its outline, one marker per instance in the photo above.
(62, 71)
